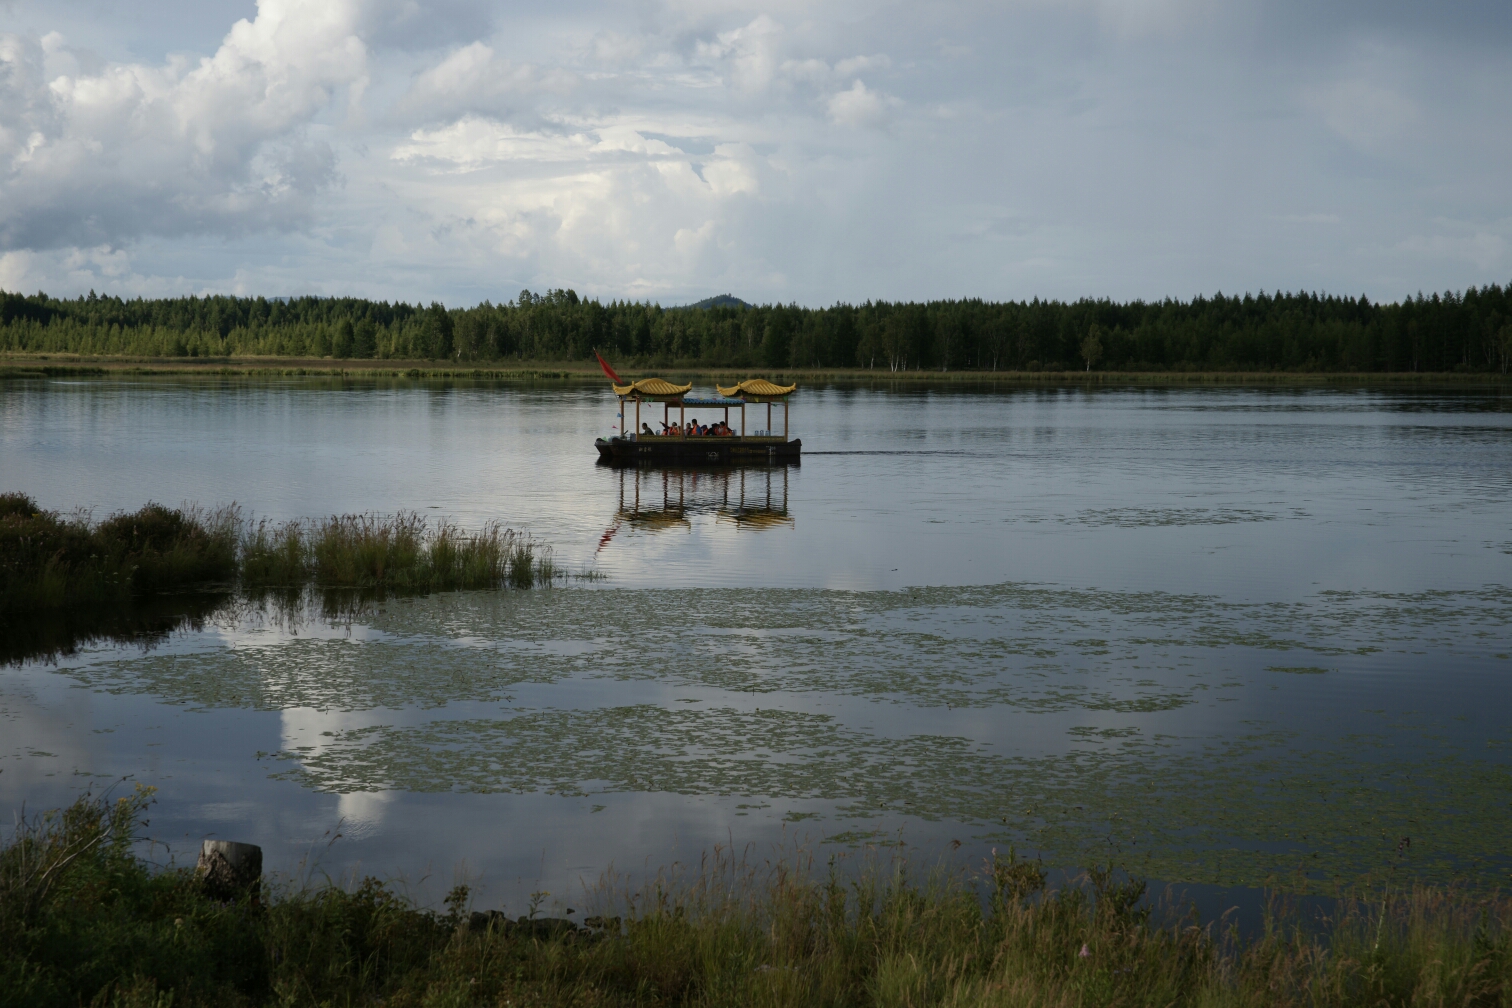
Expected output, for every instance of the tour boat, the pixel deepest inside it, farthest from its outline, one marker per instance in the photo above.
(637, 443)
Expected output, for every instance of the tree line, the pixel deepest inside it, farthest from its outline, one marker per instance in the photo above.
(1452, 331)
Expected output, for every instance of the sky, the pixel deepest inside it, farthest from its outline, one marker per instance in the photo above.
(808, 152)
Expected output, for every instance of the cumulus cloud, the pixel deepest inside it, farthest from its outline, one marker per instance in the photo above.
(220, 145)
(475, 79)
(859, 105)
(809, 151)
(748, 56)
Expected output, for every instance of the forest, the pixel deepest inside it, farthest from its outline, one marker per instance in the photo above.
(1469, 331)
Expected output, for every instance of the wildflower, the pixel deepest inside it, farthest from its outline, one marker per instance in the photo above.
(1085, 953)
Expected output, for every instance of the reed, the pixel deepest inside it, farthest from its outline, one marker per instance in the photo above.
(51, 562)
(402, 552)
(48, 561)
(274, 554)
(82, 921)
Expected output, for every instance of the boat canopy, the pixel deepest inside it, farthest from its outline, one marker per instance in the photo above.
(653, 387)
(756, 388)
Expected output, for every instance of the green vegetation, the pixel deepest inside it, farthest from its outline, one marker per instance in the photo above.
(402, 552)
(1469, 331)
(83, 921)
(50, 562)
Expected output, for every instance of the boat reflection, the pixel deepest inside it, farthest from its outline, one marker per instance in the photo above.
(752, 497)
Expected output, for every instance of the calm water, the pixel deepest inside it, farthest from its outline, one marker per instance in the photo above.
(1216, 635)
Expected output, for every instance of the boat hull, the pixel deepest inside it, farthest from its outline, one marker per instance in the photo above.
(697, 450)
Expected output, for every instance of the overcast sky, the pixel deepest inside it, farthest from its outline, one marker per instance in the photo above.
(807, 151)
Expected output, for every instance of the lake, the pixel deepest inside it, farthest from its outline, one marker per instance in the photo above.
(1219, 636)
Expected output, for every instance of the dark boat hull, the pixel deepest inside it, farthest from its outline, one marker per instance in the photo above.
(697, 450)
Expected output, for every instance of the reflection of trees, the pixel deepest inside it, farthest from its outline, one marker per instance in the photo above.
(746, 497)
(147, 621)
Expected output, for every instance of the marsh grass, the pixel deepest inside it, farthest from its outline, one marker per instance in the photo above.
(83, 921)
(402, 552)
(48, 560)
(51, 562)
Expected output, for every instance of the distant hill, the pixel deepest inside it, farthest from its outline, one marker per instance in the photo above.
(720, 301)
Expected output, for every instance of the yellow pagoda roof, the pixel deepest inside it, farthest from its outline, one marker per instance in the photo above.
(755, 387)
(652, 387)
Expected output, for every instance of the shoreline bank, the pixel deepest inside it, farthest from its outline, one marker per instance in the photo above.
(84, 919)
(16, 366)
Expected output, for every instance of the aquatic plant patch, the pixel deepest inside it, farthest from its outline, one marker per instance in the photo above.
(1203, 739)
(1250, 810)
(1030, 648)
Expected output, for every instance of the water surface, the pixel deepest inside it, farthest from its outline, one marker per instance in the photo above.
(1219, 636)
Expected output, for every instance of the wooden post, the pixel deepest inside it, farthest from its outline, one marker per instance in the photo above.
(769, 418)
(742, 421)
(784, 420)
(228, 871)
(637, 418)
(666, 415)
(682, 418)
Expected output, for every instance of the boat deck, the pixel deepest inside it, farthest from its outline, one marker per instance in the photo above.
(696, 449)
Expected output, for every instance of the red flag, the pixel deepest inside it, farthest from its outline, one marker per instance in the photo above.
(609, 370)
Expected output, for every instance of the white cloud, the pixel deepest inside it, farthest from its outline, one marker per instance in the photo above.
(810, 151)
(859, 105)
(475, 79)
(748, 56)
(218, 146)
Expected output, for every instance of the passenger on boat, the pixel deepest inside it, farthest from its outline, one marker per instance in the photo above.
(646, 429)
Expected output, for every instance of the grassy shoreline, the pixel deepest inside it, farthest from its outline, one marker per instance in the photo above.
(50, 561)
(85, 921)
(68, 365)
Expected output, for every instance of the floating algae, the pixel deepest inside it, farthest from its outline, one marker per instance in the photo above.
(1024, 647)
(1154, 517)
(1233, 811)
(1080, 723)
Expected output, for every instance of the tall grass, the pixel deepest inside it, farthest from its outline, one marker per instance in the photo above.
(48, 560)
(52, 562)
(402, 552)
(82, 922)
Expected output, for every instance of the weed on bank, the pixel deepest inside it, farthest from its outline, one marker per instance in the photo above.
(85, 922)
(50, 561)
